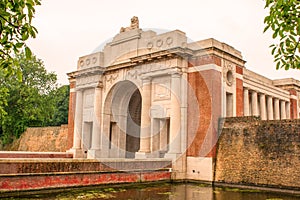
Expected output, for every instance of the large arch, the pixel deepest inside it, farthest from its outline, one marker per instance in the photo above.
(121, 120)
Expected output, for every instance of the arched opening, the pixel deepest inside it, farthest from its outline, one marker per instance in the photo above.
(122, 120)
(133, 129)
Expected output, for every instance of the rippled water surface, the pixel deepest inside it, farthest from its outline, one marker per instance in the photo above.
(162, 191)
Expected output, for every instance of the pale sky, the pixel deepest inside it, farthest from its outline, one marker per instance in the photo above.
(69, 29)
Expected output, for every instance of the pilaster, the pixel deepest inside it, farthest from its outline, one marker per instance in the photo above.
(94, 152)
(78, 125)
(175, 116)
(145, 119)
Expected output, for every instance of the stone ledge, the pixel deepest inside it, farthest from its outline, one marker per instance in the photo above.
(265, 188)
(31, 166)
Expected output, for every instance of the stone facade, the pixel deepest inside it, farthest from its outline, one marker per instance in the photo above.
(149, 95)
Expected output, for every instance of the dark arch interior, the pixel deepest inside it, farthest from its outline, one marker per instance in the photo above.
(133, 124)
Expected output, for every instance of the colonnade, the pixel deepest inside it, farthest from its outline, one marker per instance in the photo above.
(266, 106)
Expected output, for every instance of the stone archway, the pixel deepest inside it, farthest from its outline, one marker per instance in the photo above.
(133, 128)
(121, 121)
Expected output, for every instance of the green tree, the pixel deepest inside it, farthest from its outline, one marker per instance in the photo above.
(28, 101)
(284, 21)
(15, 28)
(60, 100)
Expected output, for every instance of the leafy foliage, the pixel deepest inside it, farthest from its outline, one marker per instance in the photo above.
(284, 20)
(15, 28)
(60, 98)
(33, 101)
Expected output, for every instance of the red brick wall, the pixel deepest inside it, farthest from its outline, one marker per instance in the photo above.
(293, 105)
(239, 70)
(59, 173)
(293, 108)
(72, 104)
(14, 154)
(239, 93)
(206, 87)
(239, 98)
(44, 181)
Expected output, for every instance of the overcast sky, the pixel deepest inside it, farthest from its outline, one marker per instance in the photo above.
(69, 29)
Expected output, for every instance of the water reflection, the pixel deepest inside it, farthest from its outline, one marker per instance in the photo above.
(163, 191)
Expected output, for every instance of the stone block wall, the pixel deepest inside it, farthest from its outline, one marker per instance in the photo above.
(43, 139)
(255, 152)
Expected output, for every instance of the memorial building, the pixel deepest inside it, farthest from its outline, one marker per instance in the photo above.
(158, 96)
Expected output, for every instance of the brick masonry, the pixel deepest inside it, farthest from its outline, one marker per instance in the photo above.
(72, 103)
(206, 59)
(30, 174)
(239, 98)
(263, 153)
(58, 180)
(42, 139)
(23, 154)
(203, 126)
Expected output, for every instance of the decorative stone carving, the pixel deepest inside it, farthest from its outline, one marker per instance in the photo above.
(134, 25)
(111, 78)
(146, 68)
(159, 43)
(228, 73)
(94, 60)
(132, 74)
(87, 80)
(88, 61)
(81, 63)
(229, 77)
(149, 45)
(169, 41)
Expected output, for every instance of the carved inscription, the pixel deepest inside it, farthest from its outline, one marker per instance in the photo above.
(161, 88)
(81, 81)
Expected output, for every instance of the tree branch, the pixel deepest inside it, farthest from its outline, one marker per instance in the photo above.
(296, 47)
(17, 27)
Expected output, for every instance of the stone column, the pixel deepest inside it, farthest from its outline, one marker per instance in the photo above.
(262, 100)
(282, 109)
(254, 103)
(277, 112)
(78, 125)
(175, 114)
(287, 109)
(246, 102)
(270, 108)
(145, 119)
(94, 152)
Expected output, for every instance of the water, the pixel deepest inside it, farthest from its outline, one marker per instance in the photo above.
(163, 191)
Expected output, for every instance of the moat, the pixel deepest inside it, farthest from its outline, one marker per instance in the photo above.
(161, 191)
